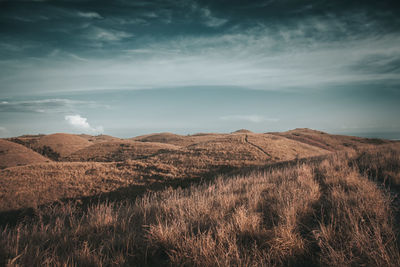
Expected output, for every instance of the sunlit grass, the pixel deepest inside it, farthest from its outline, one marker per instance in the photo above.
(320, 214)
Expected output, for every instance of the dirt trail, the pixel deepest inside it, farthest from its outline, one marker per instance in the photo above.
(246, 139)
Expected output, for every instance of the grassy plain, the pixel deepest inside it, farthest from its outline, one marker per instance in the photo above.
(300, 198)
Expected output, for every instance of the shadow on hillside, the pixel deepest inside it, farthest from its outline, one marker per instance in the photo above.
(13, 217)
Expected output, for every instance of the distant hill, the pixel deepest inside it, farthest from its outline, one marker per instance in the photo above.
(12, 154)
(119, 150)
(99, 138)
(61, 143)
(329, 141)
(53, 146)
(168, 138)
(176, 139)
(237, 150)
(242, 131)
(95, 165)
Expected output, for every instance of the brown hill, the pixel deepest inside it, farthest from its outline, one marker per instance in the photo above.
(142, 161)
(175, 139)
(12, 154)
(56, 146)
(242, 131)
(236, 150)
(119, 151)
(167, 138)
(32, 185)
(99, 138)
(283, 149)
(61, 143)
(27, 140)
(330, 142)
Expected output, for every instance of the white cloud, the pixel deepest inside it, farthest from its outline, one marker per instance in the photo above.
(207, 17)
(53, 105)
(81, 123)
(89, 15)
(248, 118)
(127, 21)
(101, 34)
(150, 15)
(210, 20)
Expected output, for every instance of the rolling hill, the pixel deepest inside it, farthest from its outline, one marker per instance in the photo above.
(12, 154)
(330, 142)
(119, 151)
(93, 166)
(176, 139)
(53, 146)
(61, 143)
(99, 138)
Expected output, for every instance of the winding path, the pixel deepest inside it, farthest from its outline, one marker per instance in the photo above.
(246, 139)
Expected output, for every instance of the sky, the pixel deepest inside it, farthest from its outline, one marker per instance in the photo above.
(127, 68)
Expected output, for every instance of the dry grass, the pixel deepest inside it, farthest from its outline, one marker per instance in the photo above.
(310, 214)
(357, 226)
(332, 142)
(12, 154)
(381, 164)
(143, 163)
(136, 165)
(53, 146)
(176, 139)
(122, 150)
(95, 139)
(61, 143)
(33, 185)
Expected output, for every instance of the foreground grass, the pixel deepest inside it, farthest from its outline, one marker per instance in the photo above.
(324, 214)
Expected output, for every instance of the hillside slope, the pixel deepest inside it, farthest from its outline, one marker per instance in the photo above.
(61, 143)
(237, 150)
(330, 142)
(176, 139)
(319, 213)
(119, 151)
(99, 138)
(91, 169)
(53, 146)
(12, 154)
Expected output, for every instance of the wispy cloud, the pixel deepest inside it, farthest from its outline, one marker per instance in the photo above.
(248, 118)
(80, 123)
(89, 15)
(45, 105)
(210, 20)
(312, 52)
(15, 46)
(107, 35)
(206, 16)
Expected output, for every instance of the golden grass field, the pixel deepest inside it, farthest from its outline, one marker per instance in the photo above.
(298, 198)
(12, 154)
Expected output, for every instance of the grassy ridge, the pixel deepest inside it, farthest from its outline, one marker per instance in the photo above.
(327, 214)
(108, 167)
